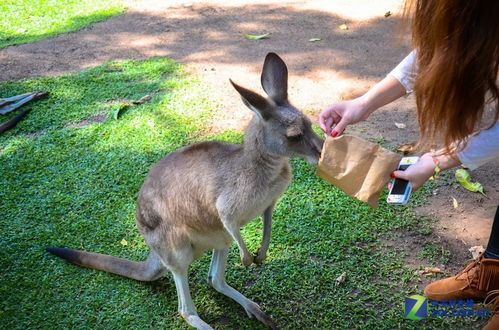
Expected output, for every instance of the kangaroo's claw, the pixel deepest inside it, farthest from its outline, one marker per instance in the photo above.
(259, 257)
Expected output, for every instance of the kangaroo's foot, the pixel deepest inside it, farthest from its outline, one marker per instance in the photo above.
(260, 256)
(254, 311)
(195, 321)
(247, 259)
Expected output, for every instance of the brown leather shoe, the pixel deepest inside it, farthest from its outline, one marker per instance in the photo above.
(493, 300)
(473, 282)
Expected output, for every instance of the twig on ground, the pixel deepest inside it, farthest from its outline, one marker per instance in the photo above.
(6, 107)
(27, 97)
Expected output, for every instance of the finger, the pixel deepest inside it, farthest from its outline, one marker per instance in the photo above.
(399, 175)
(329, 125)
(415, 187)
(323, 117)
(339, 128)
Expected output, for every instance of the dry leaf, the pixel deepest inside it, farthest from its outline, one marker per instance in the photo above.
(428, 271)
(476, 251)
(343, 27)
(455, 203)
(143, 99)
(341, 279)
(388, 13)
(407, 148)
(400, 125)
(123, 242)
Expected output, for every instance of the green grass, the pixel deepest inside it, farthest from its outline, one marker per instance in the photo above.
(23, 21)
(70, 186)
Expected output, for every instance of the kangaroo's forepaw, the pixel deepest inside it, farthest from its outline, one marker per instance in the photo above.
(247, 259)
(253, 310)
(260, 256)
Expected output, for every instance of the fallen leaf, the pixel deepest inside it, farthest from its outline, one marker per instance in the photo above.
(437, 170)
(341, 279)
(407, 148)
(476, 251)
(343, 27)
(388, 13)
(256, 37)
(400, 125)
(464, 178)
(125, 105)
(314, 39)
(455, 203)
(428, 271)
(124, 242)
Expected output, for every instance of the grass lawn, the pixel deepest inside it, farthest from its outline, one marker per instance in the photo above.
(69, 179)
(23, 21)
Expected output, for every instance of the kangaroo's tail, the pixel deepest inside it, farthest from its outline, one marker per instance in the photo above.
(149, 270)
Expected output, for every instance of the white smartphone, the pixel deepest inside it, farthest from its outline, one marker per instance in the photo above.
(401, 189)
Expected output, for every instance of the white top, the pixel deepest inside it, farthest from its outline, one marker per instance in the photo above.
(481, 147)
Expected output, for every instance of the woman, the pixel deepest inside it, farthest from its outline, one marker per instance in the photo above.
(453, 72)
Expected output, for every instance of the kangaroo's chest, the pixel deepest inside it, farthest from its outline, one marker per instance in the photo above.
(255, 200)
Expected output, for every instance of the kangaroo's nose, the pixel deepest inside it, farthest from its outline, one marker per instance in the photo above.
(319, 143)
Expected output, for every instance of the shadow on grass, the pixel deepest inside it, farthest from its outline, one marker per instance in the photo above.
(205, 32)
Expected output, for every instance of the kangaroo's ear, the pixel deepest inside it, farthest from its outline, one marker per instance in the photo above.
(260, 105)
(275, 78)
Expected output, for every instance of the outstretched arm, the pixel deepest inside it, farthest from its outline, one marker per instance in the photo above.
(397, 83)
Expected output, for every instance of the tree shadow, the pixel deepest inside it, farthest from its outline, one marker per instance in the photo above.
(206, 33)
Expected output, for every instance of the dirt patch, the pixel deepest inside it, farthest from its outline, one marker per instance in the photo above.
(430, 250)
(208, 37)
(471, 221)
(89, 121)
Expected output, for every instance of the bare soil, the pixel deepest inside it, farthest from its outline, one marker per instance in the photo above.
(207, 36)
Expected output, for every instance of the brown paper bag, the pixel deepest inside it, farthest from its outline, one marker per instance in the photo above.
(358, 167)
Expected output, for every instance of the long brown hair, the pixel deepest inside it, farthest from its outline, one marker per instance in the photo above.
(457, 44)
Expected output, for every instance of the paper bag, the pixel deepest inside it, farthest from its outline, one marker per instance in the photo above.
(358, 167)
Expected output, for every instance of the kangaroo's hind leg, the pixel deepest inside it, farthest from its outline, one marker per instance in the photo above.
(186, 306)
(216, 278)
(177, 259)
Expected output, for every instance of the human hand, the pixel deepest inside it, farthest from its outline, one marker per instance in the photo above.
(418, 173)
(342, 114)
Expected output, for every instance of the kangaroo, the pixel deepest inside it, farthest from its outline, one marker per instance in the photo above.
(198, 197)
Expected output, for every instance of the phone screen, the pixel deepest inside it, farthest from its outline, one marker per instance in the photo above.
(400, 185)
